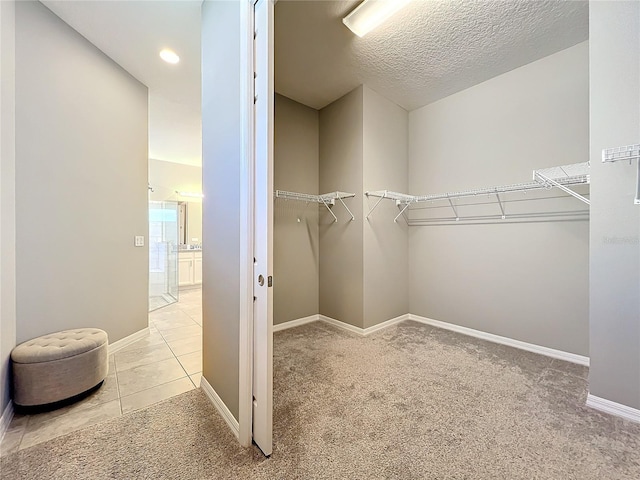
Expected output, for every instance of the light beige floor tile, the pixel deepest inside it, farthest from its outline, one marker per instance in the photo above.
(178, 319)
(195, 378)
(186, 295)
(158, 319)
(146, 376)
(154, 338)
(167, 308)
(19, 420)
(64, 424)
(12, 438)
(142, 356)
(186, 345)
(192, 309)
(197, 319)
(106, 393)
(155, 394)
(191, 362)
(181, 332)
(190, 302)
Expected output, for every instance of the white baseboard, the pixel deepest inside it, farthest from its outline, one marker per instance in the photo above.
(613, 408)
(548, 352)
(296, 323)
(385, 324)
(342, 325)
(5, 420)
(530, 347)
(126, 341)
(217, 402)
(363, 331)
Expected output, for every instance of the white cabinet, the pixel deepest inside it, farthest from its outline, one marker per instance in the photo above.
(197, 268)
(189, 267)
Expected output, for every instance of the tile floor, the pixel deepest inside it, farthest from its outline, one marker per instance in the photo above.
(166, 363)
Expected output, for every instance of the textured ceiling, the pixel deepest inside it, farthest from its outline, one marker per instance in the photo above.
(426, 52)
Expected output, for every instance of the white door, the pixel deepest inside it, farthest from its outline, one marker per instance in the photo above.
(263, 225)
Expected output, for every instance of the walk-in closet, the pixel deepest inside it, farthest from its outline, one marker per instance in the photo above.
(450, 188)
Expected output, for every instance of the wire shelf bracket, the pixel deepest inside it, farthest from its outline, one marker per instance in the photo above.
(628, 153)
(327, 199)
(561, 177)
(402, 200)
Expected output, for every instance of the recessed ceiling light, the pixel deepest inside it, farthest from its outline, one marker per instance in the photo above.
(371, 13)
(169, 56)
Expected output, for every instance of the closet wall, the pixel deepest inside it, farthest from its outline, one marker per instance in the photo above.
(615, 220)
(526, 281)
(354, 271)
(386, 254)
(296, 251)
(341, 243)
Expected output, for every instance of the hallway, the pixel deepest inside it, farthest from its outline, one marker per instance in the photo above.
(166, 363)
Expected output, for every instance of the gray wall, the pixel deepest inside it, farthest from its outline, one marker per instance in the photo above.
(614, 29)
(221, 153)
(8, 195)
(524, 281)
(296, 242)
(168, 177)
(81, 183)
(341, 243)
(385, 143)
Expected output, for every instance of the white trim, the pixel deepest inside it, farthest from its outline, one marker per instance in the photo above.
(296, 323)
(385, 324)
(126, 341)
(342, 325)
(5, 420)
(363, 331)
(548, 352)
(613, 408)
(217, 402)
(247, 167)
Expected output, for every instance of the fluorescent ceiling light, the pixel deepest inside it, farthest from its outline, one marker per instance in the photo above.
(169, 56)
(371, 13)
(190, 194)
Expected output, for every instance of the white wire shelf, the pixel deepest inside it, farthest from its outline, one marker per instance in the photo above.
(628, 153)
(561, 177)
(326, 199)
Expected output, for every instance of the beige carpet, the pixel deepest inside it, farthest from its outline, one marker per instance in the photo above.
(408, 402)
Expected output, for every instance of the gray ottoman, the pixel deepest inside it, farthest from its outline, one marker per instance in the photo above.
(49, 371)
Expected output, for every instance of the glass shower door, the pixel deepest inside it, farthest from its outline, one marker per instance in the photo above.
(163, 253)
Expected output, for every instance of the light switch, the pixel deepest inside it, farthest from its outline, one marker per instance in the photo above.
(139, 241)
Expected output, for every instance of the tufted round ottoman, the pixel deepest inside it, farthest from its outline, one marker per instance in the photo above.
(60, 366)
